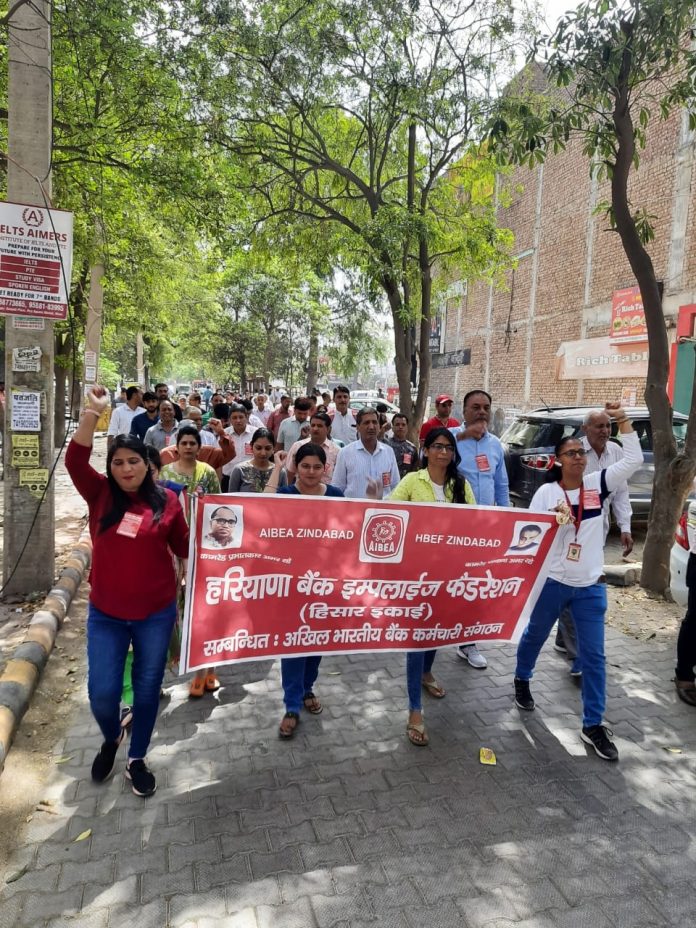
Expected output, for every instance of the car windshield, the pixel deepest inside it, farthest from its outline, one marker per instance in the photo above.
(536, 433)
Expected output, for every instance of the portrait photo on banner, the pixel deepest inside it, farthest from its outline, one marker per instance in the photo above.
(526, 538)
(223, 526)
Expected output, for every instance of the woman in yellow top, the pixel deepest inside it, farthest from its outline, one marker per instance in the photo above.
(438, 481)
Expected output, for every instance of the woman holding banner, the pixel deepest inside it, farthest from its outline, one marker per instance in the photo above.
(199, 479)
(577, 563)
(135, 526)
(438, 481)
(298, 674)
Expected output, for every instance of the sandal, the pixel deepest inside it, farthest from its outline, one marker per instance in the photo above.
(197, 687)
(312, 704)
(286, 730)
(433, 688)
(416, 734)
(211, 683)
(686, 691)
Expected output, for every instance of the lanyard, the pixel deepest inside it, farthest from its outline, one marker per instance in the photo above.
(578, 521)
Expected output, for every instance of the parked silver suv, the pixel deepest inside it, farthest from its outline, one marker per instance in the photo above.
(530, 441)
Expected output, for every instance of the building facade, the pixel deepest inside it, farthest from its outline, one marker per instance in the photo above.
(567, 328)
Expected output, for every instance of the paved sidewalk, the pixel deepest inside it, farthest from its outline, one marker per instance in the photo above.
(348, 825)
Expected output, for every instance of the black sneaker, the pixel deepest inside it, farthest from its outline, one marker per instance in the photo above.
(103, 763)
(559, 646)
(142, 779)
(598, 737)
(523, 695)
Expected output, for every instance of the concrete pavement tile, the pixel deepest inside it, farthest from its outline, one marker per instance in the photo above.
(96, 919)
(244, 842)
(362, 783)
(589, 915)
(670, 869)
(184, 808)
(42, 879)
(332, 789)
(163, 835)
(390, 798)
(179, 855)
(328, 910)
(258, 818)
(281, 837)
(96, 871)
(293, 886)
(419, 838)
(350, 823)
(230, 870)
(189, 907)
(265, 864)
(153, 860)
(448, 916)
(227, 825)
(351, 877)
(298, 914)
(320, 807)
(242, 896)
(51, 852)
(40, 906)
(375, 821)
(362, 802)
(156, 885)
(10, 910)
(326, 854)
(125, 915)
(380, 844)
(270, 798)
(675, 906)
(123, 842)
(535, 896)
(124, 891)
(402, 894)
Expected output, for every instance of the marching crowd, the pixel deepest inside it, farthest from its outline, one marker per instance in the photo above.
(161, 453)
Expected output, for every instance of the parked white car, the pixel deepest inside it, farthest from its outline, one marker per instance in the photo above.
(679, 555)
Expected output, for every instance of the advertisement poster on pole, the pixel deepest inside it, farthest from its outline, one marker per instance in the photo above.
(33, 242)
(273, 576)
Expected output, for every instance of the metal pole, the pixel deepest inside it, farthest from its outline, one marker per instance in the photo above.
(29, 181)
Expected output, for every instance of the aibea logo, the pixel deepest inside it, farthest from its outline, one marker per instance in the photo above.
(383, 536)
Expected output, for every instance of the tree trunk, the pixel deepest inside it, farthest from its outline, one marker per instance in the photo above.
(673, 472)
(313, 359)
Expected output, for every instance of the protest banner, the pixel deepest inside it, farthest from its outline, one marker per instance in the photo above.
(272, 576)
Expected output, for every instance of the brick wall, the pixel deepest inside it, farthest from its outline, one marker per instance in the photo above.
(568, 265)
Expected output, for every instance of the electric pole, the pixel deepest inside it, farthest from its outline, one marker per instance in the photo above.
(29, 182)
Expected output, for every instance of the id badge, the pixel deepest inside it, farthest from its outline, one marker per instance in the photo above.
(129, 525)
(574, 550)
(591, 499)
(386, 478)
(247, 448)
(482, 462)
(407, 457)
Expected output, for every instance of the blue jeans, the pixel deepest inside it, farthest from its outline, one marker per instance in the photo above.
(108, 640)
(417, 664)
(588, 605)
(298, 675)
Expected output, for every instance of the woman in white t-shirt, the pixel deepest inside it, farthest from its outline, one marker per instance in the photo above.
(576, 566)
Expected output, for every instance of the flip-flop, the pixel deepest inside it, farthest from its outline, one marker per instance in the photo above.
(433, 688)
(290, 732)
(197, 688)
(416, 734)
(315, 707)
(211, 683)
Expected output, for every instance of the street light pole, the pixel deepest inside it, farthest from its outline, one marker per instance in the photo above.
(29, 181)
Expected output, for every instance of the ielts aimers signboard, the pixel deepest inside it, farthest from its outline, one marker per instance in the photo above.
(33, 240)
(276, 575)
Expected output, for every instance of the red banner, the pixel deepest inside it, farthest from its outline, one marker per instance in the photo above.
(272, 576)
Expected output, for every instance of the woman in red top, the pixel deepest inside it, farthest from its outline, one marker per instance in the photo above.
(135, 526)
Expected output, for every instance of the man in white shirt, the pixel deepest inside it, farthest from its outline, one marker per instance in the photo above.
(366, 461)
(319, 434)
(343, 422)
(240, 432)
(123, 415)
(262, 412)
(601, 453)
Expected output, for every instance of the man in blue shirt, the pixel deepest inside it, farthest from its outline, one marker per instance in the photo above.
(483, 465)
(366, 467)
